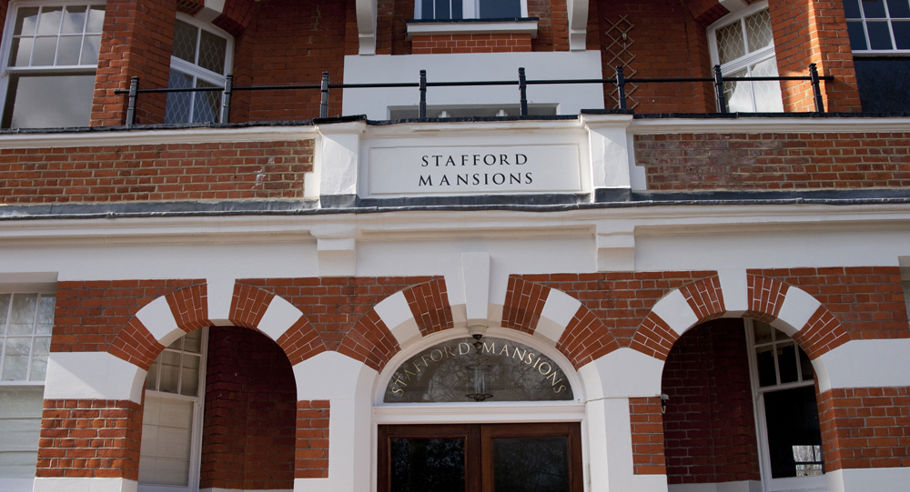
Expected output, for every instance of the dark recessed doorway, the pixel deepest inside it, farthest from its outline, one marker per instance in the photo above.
(480, 458)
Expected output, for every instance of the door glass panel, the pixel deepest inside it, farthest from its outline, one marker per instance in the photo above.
(531, 464)
(794, 438)
(419, 464)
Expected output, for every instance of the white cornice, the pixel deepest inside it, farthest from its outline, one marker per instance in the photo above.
(523, 26)
(157, 137)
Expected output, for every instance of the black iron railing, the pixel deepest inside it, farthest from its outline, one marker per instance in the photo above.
(422, 85)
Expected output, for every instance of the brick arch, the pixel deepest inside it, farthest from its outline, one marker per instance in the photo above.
(581, 337)
(172, 315)
(786, 307)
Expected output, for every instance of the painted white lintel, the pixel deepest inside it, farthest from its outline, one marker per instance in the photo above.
(528, 26)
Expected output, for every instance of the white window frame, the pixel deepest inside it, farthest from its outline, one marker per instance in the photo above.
(6, 70)
(24, 484)
(195, 71)
(197, 423)
(470, 9)
(769, 484)
(747, 60)
(888, 20)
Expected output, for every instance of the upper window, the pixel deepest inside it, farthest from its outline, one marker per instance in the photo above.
(470, 9)
(878, 25)
(743, 46)
(200, 58)
(50, 54)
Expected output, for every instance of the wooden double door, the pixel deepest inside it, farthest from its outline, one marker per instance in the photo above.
(480, 458)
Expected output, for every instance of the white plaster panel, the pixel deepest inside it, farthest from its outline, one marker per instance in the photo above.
(476, 274)
(735, 290)
(865, 363)
(339, 157)
(798, 307)
(472, 66)
(558, 311)
(92, 376)
(622, 373)
(398, 318)
(279, 317)
(675, 310)
(158, 319)
(84, 484)
(868, 480)
(219, 295)
(609, 154)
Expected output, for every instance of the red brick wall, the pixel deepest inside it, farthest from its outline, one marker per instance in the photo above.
(221, 171)
(814, 31)
(89, 438)
(781, 161)
(709, 427)
(250, 406)
(867, 301)
(647, 436)
(312, 439)
(865, 427)
(288, 43)
(470, 43)
(136, 41)
(666, 42)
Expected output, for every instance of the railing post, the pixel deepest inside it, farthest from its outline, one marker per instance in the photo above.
(621, 87)
(131, 102)
(324, 96)
(523, 91)
(719, 90)
(422, 108)
(819, 103)
(226, 99)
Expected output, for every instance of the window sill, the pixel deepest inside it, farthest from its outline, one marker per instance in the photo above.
(527, 25)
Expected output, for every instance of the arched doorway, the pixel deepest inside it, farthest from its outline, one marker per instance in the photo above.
(740, 410)
(219, 413)
(497, 412)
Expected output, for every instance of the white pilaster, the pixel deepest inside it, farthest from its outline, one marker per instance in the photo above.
(346, 383)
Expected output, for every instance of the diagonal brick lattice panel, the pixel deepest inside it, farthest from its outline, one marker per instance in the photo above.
(617, 46)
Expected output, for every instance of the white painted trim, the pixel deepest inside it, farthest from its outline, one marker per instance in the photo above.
(219, 296)
(475, 270)
(469, 412)
(159, 320)
(869, 480)
(348, 392)
(577, 11)
(734, 286)
(557, 313)
(17, 484)
(676, 312)
(367, 14)
(622, 373)
(84, 484)
(865, 363)
(797, 309)
(92, 376)
(279, 317)
(473, 27)
(398, 318)
(219, 489)
(155, 137)
(767, 125)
